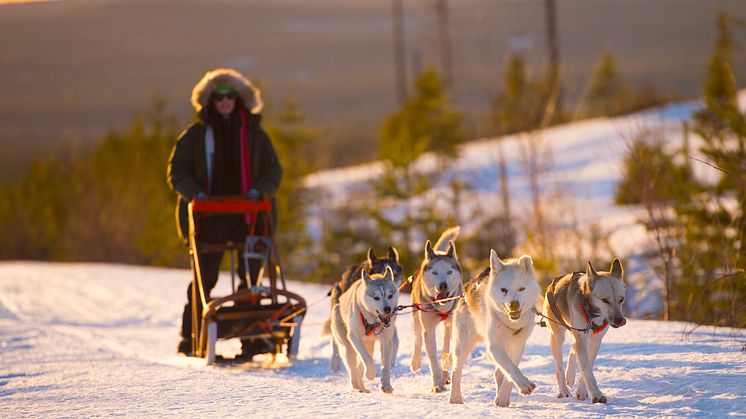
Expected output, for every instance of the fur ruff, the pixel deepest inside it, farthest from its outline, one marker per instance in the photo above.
(251, 95)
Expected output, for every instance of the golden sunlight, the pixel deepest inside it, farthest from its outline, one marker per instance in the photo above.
(21, 1)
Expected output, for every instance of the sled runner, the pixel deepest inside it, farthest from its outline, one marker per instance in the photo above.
(264, 313)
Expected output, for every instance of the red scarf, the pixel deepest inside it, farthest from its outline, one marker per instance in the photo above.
(245, 161)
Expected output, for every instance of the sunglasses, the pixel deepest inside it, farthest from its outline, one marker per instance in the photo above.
(217, 97)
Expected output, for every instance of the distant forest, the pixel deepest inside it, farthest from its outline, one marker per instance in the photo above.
(74, 70)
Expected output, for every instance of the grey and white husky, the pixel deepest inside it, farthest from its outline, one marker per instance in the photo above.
(372, 265)
(497, 309)
(584, 303)
(439, 278)
(366, 315)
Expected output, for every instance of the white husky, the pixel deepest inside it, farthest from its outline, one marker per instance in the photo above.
(584, 303)
(497, 309)
(439, 278)
(364, 315)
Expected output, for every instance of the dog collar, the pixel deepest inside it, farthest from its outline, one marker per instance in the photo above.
(370, 328)
(596, 328)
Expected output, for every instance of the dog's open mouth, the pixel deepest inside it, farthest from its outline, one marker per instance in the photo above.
(514, 315)
(385, 319)
(442, 296)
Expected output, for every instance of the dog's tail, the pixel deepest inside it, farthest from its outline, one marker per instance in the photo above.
(451, 234)
(326, 328)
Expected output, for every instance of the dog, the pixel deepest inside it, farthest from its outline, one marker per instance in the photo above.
(365, 315)
(497, 309)
(585, 304)
(372, 265)
(439, 277)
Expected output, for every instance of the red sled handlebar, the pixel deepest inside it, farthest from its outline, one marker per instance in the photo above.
(230, 205)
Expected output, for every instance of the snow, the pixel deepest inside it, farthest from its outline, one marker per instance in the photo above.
(91, 340)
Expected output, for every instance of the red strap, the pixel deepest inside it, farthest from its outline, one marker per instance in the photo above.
(600, 329)
(442, 315)
(369, 328)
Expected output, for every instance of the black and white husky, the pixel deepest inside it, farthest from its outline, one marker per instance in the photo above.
(439, 278)
(366, 315)
(372, 265)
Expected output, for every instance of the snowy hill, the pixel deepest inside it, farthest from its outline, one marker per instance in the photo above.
(581, 165)
(84, 340)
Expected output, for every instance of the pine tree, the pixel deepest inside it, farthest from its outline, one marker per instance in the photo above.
(525, 103)
(713, 254)
(606, 93)
(425, 123)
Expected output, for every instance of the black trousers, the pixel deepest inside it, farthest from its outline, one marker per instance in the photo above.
(218, 230)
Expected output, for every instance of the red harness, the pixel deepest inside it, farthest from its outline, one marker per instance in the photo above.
(443, 315)
(556, 310)
(370, 328)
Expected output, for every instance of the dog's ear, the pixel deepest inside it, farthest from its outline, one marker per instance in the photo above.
(429, 252)
(389, 275)
(617, 269)
(590, 278)
(452, 250)
(496, 265)
(526, 263)
(366, 277)
(371, 256)
(393, 254)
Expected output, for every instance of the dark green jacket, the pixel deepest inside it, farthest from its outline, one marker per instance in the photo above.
(187, 168)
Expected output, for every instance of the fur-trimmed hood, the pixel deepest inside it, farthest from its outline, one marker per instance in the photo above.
(251, 96)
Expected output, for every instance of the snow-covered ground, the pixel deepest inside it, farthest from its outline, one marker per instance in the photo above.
(92, 340)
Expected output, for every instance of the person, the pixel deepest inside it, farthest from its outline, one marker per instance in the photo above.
(224, 153)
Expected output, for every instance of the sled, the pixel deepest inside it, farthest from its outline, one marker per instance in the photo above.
(266, 312)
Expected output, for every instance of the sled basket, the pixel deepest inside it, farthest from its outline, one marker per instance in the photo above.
(262, 311)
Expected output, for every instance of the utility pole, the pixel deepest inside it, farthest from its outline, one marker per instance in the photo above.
(399, 51)
(553, 49)
(444, 42)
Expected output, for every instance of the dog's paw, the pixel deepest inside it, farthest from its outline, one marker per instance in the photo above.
(456, 399)
(363, 390)
(386, 388)
(438, 389)
(446, 377)
(581, 395)
(370, 372)
(416, 363)
(526, 387)
(334, 365)
(502, 403)
(563, 394)
(599, 399)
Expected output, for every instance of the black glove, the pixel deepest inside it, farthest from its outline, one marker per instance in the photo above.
(254, 194)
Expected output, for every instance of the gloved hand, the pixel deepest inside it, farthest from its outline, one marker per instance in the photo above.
(254, 194)
(201, 196)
